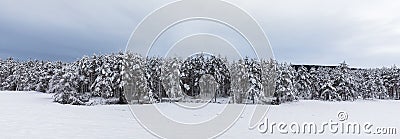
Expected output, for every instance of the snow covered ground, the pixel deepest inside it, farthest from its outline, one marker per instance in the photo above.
(34, 115)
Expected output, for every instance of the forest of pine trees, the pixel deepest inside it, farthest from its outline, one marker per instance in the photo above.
(121, 78)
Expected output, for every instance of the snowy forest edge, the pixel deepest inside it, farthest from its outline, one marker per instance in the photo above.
(129, 78)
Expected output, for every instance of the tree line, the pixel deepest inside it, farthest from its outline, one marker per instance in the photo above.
(128, 77)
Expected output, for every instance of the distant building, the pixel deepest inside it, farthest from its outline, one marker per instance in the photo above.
(308, 67)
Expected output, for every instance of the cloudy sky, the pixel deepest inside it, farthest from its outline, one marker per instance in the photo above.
(365, 33)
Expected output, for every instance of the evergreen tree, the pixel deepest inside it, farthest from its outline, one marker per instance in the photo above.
(302, 83)
(170, 77)
(284, 84)
(315, 83)
(134, 80)
(239, 81)
(67, 92)
(268, 69)
(327, 90)
(343, 82)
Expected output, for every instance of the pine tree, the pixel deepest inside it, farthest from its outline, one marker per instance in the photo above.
(302, 83)
(85, 72)
(67, 92)
(239, 81)
(268, 76)
(254, 72)
(153, 77)
(12, 75)
(343, 82)
(2, 74)
(102, 84)
(134, 81)
(284, 84)
(327, 90)
(170, 77)
(391, 79)
(315, 83)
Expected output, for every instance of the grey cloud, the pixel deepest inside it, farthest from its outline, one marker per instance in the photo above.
(364, 33)
(328, 32)
(66, 30)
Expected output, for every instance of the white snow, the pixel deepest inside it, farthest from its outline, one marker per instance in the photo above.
(33, 115)
(187, 87)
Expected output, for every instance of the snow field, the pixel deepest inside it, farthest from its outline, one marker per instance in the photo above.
(34, 115)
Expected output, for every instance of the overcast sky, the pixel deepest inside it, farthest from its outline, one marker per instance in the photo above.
(365, 33)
